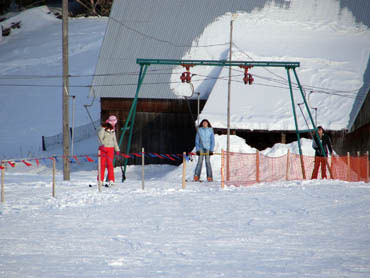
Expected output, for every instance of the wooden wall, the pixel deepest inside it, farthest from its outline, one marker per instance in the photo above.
(352, 142)
(166, 126)
(363, 117)
(161, 126)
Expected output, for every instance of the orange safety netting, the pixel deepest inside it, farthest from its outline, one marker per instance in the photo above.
(247, 169)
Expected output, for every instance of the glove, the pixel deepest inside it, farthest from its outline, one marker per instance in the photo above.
(101, 148)
(118, 153)
(198, 152)
(210, 152)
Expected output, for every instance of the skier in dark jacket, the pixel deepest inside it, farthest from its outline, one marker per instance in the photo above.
(320, 157)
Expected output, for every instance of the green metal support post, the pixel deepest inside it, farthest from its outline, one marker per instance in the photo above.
(312, 121)
(131, 116)
(296, 124)
(308, 110)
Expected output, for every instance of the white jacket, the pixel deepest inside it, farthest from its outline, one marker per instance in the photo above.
(108, 138)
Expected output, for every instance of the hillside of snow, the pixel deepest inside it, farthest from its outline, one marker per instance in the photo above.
(31, 83)
(333, 50)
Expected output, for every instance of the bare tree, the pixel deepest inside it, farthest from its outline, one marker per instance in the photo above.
(96, 7)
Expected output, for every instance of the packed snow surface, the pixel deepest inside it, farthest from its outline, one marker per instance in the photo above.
(281, 229)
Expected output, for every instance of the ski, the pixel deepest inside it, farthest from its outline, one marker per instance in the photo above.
(94, 185)
(194, 181)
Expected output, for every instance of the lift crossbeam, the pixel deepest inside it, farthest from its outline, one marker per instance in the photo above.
(221, 63)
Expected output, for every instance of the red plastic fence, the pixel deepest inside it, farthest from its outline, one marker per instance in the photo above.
(248, 169)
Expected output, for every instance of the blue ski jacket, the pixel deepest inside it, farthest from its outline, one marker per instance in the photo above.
(205, 139)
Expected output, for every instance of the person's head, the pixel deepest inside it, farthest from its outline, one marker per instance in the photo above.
(112, 120)
(108, 126)
(320, 130)
(205, 123)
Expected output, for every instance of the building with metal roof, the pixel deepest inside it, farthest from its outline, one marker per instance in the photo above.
(171, 29)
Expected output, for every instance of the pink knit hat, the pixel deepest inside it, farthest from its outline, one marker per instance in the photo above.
(112, 120)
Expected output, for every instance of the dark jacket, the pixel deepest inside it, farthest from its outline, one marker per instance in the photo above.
(326, 143)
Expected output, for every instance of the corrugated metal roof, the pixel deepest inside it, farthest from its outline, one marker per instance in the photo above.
(154, 29)
(165, 29)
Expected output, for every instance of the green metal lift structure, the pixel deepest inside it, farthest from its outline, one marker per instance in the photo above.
(289, 66)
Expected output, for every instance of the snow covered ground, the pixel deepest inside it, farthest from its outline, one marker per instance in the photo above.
(282, 229)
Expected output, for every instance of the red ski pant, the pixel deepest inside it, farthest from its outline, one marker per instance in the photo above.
(319, 160)
(106, 161)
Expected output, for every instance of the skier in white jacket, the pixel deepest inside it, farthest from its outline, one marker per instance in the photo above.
(108, 140)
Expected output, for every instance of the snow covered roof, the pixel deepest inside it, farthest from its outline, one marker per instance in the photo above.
(327, 38)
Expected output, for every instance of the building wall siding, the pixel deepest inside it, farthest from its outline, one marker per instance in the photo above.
(161, 126)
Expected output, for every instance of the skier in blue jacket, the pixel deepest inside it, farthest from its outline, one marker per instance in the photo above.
(204, 144)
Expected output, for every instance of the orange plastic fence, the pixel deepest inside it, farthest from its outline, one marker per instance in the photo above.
(248, 169)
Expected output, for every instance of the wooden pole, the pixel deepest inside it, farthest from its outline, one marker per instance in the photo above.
(142, 168)
(99, 170)
(257, 166)
(331, 166)
(287, 165)
(283, 138)
(359, 166)
(53, 185)
(222, 169)
(302, 166)
(348, 166)
(183, 170)
(367, 166)
(228, 103)
(65, 93)
(2, 182)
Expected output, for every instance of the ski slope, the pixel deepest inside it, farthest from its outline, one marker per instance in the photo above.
(282, 229)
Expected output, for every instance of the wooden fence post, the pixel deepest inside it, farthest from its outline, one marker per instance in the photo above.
(222, 169)
(99, 170)
(367, 166)
(287, 165)
(332, 158)
(53, 185)
(142, 168)
(257, 166)
(302, 166)
(183, 170)
(348, 167)
(359, 166)
(2, 182)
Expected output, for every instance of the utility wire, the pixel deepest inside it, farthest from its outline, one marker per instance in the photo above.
(133, 73)
(163, 40)
(348, 94)
(316, 89)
